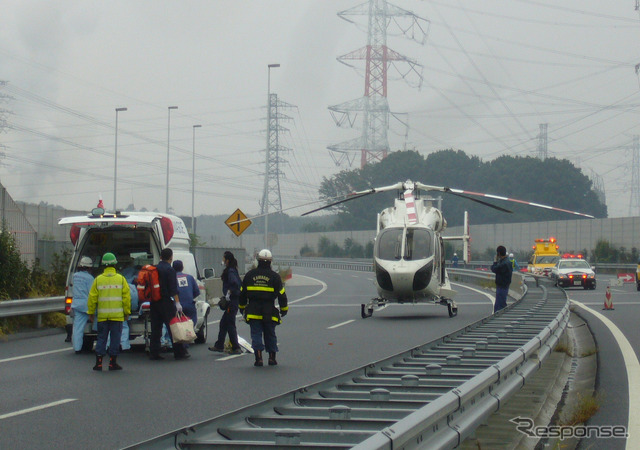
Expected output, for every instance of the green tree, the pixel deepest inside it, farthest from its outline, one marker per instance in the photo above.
(552, 182)
(14, 273)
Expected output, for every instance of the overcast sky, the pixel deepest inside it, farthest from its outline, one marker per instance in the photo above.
(493, 71)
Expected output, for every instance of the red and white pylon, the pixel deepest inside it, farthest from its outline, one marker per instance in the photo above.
(608, 303)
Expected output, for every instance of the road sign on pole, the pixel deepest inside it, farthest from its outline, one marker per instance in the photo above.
(238, 222)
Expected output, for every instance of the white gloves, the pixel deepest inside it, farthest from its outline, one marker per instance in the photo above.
(178, 307)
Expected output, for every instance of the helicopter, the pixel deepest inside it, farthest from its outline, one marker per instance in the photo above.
(408, 251)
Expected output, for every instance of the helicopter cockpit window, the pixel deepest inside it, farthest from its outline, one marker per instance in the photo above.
(418, 244)
(389, 244)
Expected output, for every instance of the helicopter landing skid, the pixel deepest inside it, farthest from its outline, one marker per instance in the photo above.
(451, 306)
(367, 310)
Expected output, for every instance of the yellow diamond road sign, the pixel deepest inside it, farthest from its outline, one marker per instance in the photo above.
(238, 222)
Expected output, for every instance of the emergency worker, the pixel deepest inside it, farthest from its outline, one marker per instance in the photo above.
(165, 309)
(82, 281)
(231, 285)
(110, 297)
(455, 260)
(188, 290)
(514, 264)
(260, 288)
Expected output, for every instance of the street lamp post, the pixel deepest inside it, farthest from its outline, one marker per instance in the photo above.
(193, 177)
(168, 146)
(266, 162)
(115, 164)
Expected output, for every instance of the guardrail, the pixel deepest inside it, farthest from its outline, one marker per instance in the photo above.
(433, 396)
(31, 306)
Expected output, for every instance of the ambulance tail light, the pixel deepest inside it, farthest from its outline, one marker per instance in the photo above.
(167, 229)
(67, 305)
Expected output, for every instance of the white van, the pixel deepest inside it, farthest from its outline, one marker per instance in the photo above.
(136, 239)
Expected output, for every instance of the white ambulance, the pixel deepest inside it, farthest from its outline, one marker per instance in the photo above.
(136, 239)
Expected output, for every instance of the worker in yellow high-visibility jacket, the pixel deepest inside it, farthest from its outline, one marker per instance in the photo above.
(110, 296)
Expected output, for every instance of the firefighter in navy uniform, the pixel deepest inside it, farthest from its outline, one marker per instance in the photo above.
(260, 288)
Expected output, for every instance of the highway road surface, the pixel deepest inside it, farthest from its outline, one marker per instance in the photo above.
(51, 398)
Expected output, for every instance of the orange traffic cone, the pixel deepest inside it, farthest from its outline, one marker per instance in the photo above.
(608, 303)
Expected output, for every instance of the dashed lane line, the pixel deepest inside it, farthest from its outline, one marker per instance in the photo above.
(37, 408)
(633, 375)
(33, 355)
(340, 324)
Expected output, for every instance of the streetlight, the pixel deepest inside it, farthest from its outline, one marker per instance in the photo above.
(115, 163)
(266, 158)
(193, 176)
(168, 136)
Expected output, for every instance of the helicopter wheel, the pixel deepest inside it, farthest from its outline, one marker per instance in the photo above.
(453, 310)
(364, 314)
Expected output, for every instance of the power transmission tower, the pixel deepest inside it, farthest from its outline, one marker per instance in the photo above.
(542, 142)
(634, 198)
(374, 107)
(271, 197)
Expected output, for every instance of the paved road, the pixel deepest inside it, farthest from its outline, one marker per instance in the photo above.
(51, 397)
(612, 379)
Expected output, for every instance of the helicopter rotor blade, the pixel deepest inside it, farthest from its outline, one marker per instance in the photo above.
(497, 197)
(352, 196)
(499, 208)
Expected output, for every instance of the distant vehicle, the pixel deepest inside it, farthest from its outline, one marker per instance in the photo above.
(573, 272)
(136, 238)
(545, 256)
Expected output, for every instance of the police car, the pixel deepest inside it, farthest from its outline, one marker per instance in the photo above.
(573, 272)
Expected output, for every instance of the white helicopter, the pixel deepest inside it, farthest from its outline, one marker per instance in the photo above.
(408, 253)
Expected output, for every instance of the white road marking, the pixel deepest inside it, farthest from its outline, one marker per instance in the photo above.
(33, 355)
(355, 276)
(37, 408)
(340, 324)
(491, 298)
(324, 288)
(229, 357)
(633, 375)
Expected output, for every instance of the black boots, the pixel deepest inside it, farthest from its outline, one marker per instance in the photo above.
(258, 362)
(113, 364)
(98, 365)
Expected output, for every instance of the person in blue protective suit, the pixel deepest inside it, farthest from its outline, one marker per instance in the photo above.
(82, 281)
(503, 269)
(454, 260)
(187, 291)
(231, 285)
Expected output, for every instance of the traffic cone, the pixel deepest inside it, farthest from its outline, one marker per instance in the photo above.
(608, 303)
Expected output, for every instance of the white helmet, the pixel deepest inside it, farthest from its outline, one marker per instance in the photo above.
(85, 261)
(455, 254)
(264, 255)
(510, 255)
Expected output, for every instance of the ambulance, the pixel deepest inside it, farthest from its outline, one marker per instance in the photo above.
(136, 239)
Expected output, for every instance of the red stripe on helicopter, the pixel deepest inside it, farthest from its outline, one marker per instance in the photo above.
(410, 204)
(497, 197)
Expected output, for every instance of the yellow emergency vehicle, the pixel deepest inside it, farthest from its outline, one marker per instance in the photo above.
(545, 256)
